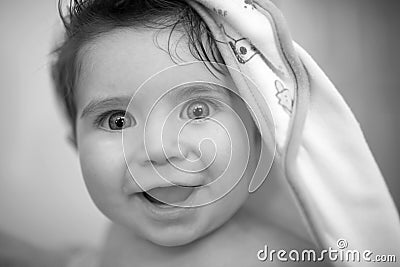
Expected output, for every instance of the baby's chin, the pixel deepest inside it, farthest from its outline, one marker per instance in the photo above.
(173, 241)
(189, 235)
(175, 237)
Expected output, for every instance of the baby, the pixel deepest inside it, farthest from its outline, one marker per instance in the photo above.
(166, 145)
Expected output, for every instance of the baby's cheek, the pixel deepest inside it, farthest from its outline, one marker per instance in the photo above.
(232, 152)
(103, 167)
(216, 148)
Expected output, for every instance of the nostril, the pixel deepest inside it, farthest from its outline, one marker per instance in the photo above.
(153, 162)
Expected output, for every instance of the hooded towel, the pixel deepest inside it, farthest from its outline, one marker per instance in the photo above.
(320, 148)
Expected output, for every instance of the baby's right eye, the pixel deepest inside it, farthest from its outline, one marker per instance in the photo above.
(116, 120)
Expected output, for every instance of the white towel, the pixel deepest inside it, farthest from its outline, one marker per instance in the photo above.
(320, 147)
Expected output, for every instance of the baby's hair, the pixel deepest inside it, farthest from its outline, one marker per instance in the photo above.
(86, 20)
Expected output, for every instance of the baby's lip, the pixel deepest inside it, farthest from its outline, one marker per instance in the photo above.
(182, 184)
(171, 194)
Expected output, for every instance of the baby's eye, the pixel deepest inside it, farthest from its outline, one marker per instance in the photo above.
(117, 120)
(199, 109)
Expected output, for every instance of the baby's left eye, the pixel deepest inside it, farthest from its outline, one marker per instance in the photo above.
(198, 110)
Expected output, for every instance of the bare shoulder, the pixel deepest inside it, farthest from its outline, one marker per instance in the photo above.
(84, 258)
(263, 244)
(15, 251)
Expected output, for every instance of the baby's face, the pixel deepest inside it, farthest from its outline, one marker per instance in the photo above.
(185, 139)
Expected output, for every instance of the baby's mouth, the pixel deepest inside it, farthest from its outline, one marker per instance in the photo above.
(171, 195)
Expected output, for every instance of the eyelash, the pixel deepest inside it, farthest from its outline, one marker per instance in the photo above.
(105, 117)
(215, 104)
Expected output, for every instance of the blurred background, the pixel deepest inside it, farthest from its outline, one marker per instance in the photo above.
(42, 195)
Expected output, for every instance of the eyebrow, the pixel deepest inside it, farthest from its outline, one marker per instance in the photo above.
(105, 104)
(185, 91)
(192, 90)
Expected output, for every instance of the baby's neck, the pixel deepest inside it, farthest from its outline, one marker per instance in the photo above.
(123, 248)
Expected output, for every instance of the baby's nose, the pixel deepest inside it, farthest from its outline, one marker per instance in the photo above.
(161, 139)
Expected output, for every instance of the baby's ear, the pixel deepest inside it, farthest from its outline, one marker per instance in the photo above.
(72, 140)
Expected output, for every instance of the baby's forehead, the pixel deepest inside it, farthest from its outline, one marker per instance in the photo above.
(126, 61)
(139, 44)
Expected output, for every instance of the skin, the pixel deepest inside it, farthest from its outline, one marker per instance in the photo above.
(17, 252)
(115, 65)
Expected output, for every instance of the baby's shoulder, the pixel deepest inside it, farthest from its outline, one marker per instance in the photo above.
(257, 231)
(84, 258)
(258, 241)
